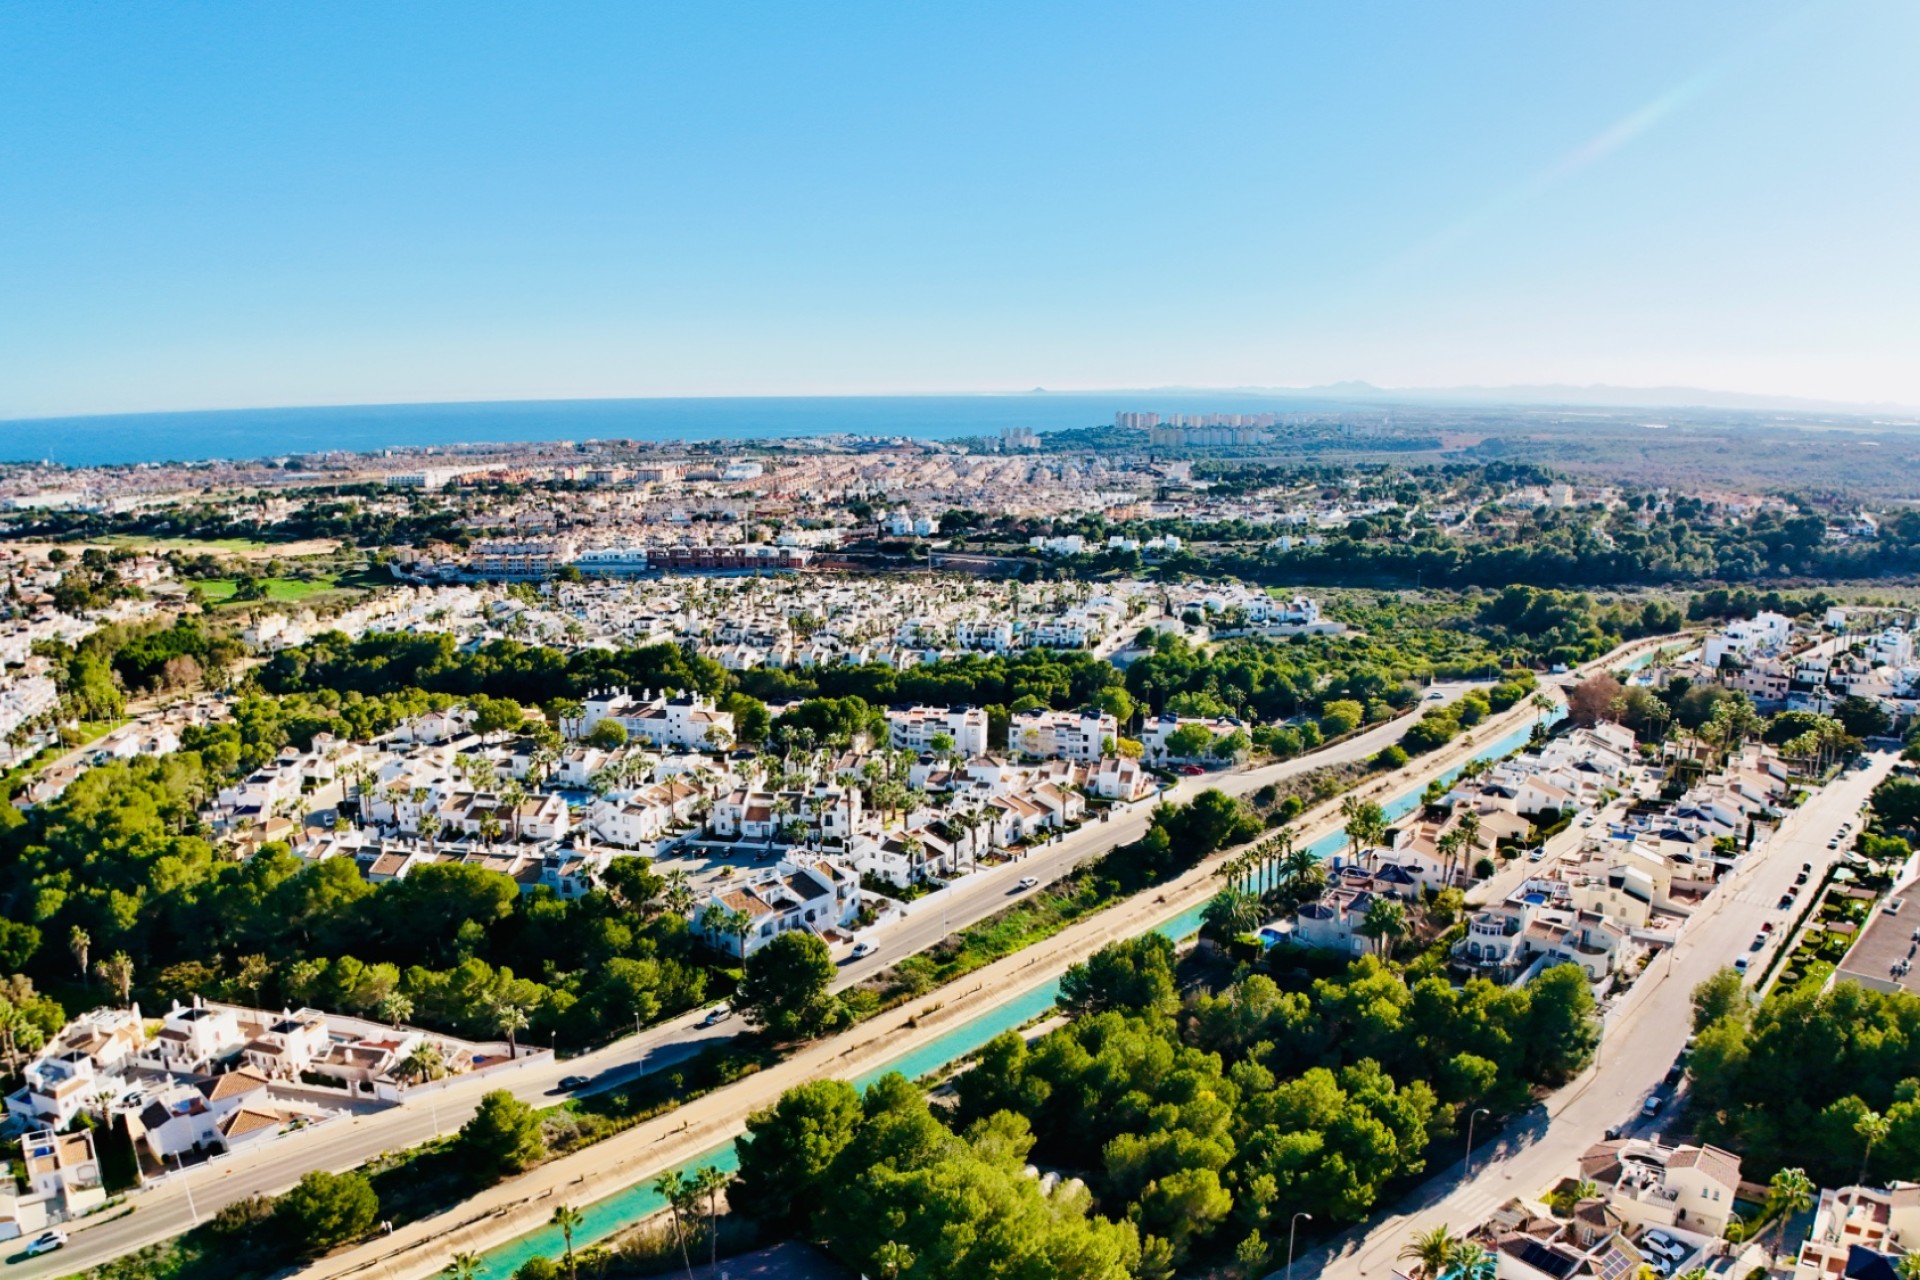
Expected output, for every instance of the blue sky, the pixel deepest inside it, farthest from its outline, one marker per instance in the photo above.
(236, 205)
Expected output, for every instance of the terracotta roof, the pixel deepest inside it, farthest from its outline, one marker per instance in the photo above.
(247, 1120)
(1721, 1166)
(233, 1084)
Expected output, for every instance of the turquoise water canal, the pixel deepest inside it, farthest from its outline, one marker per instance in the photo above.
(615, 1212)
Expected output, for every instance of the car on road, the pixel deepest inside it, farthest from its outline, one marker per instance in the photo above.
(1435, 696)
(1191, 770)
(1651, 1107)
(1537, 854)
(717, 1015)
(573, 1082)
(861, 950)
(1028, 882)
(47, 1242)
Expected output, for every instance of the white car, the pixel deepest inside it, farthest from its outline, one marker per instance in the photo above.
(47, 1243)
(861, 950)
(1028, 882)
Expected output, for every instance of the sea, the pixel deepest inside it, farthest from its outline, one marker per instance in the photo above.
(268, 433)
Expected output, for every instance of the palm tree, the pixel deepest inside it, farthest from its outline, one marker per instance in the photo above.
(892, 1258)
(395, 1008)
(568, 1219)
(1470, 832)
(424, 1063)
(465, 1266)
(78, 943)
(1432, 1252)
(709, 1181)
(671, 1186)
(1471, 1262)
(1449, 846)
(510, 1019)
(1543, 704)
(1873, 1127)
(1232, 912)
(1386, 920)
(1788, 1192)
(117, 972)
(678, 896)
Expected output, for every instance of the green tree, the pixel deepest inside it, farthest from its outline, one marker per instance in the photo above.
(502, 1137)
(1724, 995)
(1789, 1192)
(608, 735)
(326, 1209)
(785, 987)
(788, 1149)
(1561, 1032)
(1133, 975)
(568, 1219)
(1431, 1252)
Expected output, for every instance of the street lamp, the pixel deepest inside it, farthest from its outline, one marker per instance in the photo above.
(1477, 1113)
(1293, 1226)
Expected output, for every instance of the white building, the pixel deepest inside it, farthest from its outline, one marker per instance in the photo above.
(1067, 735)
(914, 728)
(687, 720)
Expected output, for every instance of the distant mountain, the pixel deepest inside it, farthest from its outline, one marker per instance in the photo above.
(1597, 395)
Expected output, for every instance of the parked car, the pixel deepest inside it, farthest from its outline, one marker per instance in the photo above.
(1759, 940)
(1739, 964)
(1651, 1107)
(1192, 770)
(1806, 866)
(1800, 879)
(861, 950)
(1767, 927)
(1675, 1074)
(1834, 843)
(1028, 882)
(1786, 900)
(47, 1242)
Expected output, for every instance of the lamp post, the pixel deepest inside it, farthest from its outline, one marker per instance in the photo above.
(1293, 1226)
(1477, 1113)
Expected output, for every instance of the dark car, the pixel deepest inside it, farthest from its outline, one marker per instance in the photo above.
(1786, 900)
(573, 1082)
(1676, 1073)
(1800, 879)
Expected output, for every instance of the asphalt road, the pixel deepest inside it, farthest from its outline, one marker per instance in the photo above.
(166, 1209)
(1641, 1039)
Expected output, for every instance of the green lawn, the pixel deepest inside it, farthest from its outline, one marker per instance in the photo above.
(279, 590)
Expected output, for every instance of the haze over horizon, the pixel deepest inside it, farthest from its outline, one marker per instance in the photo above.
(214, 206)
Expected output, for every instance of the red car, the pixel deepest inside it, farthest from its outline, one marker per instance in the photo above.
(1192, 770)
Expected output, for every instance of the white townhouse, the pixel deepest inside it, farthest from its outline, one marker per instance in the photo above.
(686, 720)
(915, 728)
(1068, 735)
(800, 893)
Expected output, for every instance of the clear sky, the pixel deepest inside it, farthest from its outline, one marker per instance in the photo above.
(207, 205)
